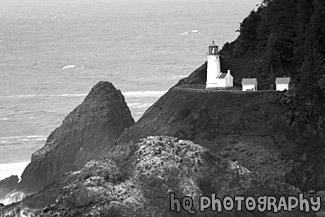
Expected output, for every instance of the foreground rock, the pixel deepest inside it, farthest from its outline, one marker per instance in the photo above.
(8, 185)
(141, 182)
(88, 132)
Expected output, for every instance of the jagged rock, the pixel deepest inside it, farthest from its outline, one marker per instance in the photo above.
(13, 197)
(7, 185)
(153, 169)
(88, 132)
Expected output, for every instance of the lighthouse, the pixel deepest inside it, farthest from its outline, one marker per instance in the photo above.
(214, 69)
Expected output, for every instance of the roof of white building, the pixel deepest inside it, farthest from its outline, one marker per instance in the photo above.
(248, 81)
(222, 75)
(283, 80)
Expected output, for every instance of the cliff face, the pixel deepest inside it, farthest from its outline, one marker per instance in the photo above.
(88, 132)
(254, 128)
(140, 185)
(244, 145)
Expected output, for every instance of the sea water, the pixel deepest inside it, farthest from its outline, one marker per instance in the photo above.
(53, 52)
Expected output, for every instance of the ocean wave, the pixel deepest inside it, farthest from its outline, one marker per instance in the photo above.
(144, 93)
(192, 31)
(144, 105)
(179, 76)
(127, 93)
(68, 95)
(44, 95)
(14, 197)
(4, 119)
(13, 139)
(68, 67)
(133, 104)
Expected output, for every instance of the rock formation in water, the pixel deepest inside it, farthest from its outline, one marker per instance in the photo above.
(88, 132)
(7, 186)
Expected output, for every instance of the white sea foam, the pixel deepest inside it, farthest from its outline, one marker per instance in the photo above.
(68, 95)
(179, 76)
(4, 119)
(192, 31)
(68, 67)
(15, 197)
(10, 169)
(144, 93)
(133, 104)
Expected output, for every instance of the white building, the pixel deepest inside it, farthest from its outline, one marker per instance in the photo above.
(215, 78)
(249, 84)
(282, 83)
(225, 80)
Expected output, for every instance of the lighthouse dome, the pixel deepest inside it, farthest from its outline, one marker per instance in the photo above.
(213, 44)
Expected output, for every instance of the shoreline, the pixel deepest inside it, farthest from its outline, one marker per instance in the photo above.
(11, 169)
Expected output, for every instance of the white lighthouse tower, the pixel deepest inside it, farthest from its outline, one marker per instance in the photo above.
(214, 69)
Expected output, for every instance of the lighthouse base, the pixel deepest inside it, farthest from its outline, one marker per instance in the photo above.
(211, 85)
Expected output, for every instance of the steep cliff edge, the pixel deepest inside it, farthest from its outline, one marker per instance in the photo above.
(88, 132)
(257, 129)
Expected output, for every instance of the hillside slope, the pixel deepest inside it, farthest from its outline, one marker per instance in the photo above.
(253, 128)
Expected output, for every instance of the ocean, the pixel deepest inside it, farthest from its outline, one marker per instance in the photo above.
(53, 52)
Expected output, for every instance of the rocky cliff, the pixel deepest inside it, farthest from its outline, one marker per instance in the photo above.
(8, 185)
(88, 132)
(244, 145)
(254, 128)
(141, 183)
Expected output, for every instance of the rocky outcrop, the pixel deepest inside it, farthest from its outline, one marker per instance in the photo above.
(252, 128)
(8, 185)
(141, 183)
(88, 132)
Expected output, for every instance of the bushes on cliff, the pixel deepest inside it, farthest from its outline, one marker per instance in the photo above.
(286, 37)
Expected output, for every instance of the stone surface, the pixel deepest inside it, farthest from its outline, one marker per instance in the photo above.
(140, 183)
(7, 186)
(88, 132)
(253, 128)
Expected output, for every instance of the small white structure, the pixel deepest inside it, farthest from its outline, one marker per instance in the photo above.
(282, 83)
(225, 80)
(215, 78)
(249, 84)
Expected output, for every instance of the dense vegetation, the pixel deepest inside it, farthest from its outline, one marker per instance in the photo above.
(290, 35)
(286, 38)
